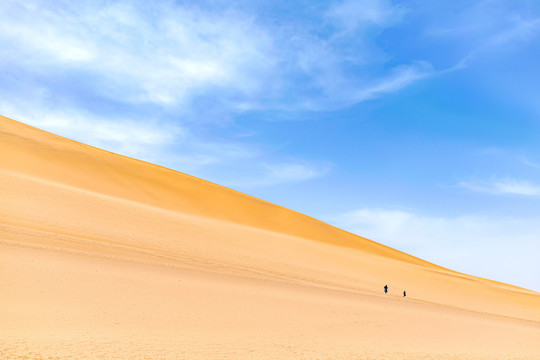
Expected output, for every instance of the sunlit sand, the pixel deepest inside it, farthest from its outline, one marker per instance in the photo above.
(108, 257)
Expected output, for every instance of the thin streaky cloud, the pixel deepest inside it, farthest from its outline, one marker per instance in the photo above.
(530, 163)
(403, 76)
(522, 31)
(503, 187)
(349, 94)
(286, 172)
(487, 27)
(267, 174)
(351, 15)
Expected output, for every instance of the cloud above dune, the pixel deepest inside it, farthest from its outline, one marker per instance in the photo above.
(169, 55)
(463, 243)
(158, 53)
(124, 135)
(277, 173)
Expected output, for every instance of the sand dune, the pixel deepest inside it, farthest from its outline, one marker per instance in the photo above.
(104, 256)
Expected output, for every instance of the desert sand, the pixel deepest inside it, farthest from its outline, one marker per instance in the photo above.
(107, 257)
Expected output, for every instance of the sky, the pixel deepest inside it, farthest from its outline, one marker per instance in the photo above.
(413, 123)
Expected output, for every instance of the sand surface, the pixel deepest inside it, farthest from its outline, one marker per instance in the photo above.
(107, 257)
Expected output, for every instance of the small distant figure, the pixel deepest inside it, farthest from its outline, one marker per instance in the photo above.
(404, 293)
(385, 289)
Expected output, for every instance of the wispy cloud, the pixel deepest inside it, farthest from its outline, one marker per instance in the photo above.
(401, 77)
(488, 26)
(293, 172)
(121, 135)
(503, 187)
(496, 248)
(278, 173)
(351, 15)
(521, 30)
(156, 53)
(168, 55)
(530, 163)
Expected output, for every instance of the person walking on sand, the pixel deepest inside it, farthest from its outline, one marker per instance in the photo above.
(385, 289)
(404, 293)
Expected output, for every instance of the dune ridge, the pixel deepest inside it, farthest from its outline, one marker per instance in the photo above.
(100, 251)
(147, 183)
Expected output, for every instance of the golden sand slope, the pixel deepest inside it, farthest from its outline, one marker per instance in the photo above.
(104, 256)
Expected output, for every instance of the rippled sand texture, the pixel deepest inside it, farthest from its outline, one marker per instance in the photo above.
(107, 257)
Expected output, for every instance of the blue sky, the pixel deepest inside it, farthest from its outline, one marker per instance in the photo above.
(413, 123)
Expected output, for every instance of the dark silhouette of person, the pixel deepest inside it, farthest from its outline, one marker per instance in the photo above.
(404, 293)
(385, 289)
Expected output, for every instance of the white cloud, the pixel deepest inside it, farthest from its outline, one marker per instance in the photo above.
(170, 55)
(158, 53)
(401, 77)
(504, 187)
(530, 163)
(521, 30)
(486, 27)
(263, 174)
(503, 249)
(132, 137)
(292, 172)
(354, 14)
